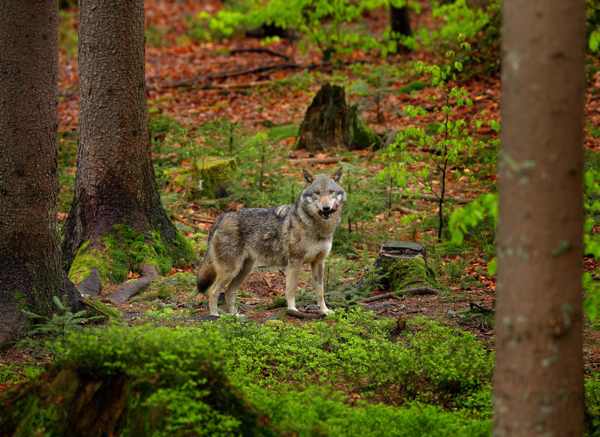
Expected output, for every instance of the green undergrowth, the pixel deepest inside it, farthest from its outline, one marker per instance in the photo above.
(351, 374)
(125, 250)
(348, 375)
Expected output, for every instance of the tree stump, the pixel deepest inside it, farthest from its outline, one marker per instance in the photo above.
(330, 122)
(402, 264)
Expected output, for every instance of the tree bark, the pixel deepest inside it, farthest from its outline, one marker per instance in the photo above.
(115, 181)
(400, 20)
(30, 262)
(538, 382)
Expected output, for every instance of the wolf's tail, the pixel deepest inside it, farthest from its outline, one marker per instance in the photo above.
(206, 275)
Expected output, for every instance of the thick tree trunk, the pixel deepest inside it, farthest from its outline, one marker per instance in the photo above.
(538, 382)
(115, 178)
(30, 263)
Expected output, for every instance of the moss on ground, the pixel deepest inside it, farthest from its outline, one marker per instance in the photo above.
(125, 250)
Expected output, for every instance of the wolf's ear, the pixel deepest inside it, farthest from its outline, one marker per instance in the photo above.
(337, 176)
(307, 176)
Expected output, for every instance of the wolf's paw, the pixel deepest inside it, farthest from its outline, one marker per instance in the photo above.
(326, 311)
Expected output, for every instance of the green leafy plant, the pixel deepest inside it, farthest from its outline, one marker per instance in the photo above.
(61, 322)
(449, 142)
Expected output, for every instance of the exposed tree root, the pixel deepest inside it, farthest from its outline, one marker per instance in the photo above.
(416, 291)
(129, 289)
(260, 50)
(302, 315)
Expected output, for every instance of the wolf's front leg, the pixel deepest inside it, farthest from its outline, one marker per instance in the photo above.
(318, 268)
(291, 284)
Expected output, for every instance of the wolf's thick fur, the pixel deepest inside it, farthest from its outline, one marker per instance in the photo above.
(286, 236)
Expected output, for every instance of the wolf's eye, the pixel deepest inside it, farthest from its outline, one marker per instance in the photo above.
(318, 193)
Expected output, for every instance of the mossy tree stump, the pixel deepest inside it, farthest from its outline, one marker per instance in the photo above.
(330, 123)
(403, 264)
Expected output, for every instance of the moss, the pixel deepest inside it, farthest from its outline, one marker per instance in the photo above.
(211, 175)
(125, 250)
(89, 258)
(361, 136)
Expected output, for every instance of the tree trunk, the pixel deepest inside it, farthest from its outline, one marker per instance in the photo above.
(538, 382)
(400, 20)
(30, 262)
(115, 181)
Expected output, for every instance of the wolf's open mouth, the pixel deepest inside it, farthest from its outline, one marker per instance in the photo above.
(327, 214)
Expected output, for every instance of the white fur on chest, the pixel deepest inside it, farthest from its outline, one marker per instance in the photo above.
(315, 248)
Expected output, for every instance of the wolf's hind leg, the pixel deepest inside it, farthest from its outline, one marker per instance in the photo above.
(291, 284)
(222, 280)
(231, 292)
(318, 268)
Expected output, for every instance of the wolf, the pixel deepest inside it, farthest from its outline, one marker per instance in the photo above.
(286, 236)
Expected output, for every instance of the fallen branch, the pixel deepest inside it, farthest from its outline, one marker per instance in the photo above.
(391, 294)
(419, 291)
(433, 198)
(129, 289)
(301, 315)
(204, 82)
(315, 160)
(405, 210)
(260, 50)
(416, 291)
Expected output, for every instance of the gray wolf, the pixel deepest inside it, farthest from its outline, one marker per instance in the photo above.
(286, 236)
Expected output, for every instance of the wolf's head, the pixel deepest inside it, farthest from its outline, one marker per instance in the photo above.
(323, 197)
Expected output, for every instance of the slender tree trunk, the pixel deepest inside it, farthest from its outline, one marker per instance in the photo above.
(538, 382)
(400, 20)
(115, 178)
(30, 263)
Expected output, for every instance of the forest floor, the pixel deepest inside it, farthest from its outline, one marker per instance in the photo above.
(202, 97)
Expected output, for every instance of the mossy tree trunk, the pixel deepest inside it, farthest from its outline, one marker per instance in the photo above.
(30, 262)
(115, 182)
(331, 123)
(538, 382)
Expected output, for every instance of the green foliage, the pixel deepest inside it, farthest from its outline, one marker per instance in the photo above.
(592, 403)
(317, 411)
(471, 32)
(451, 143)
(477, 220)
(60, 323)
(333, 27)
(291, 374)
(593, 25)
(11, 373)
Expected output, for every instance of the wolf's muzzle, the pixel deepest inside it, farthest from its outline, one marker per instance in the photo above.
(326, 212)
